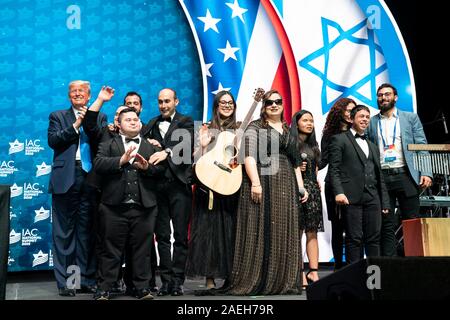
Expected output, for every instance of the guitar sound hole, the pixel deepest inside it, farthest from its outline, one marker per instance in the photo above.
(230, 151)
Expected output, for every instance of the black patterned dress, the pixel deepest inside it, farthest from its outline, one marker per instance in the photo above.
(267, 253)
(311, 218)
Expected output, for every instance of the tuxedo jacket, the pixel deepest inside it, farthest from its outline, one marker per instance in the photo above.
(180, 142)
(113, 181)
(347, 168)
(411, 132)
(63, 139)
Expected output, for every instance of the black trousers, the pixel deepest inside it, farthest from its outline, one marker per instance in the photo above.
(402, 189)
(337, 226)
(127, 272)
(73, 231)
(119, 224)
(362, 228)
(174, 204)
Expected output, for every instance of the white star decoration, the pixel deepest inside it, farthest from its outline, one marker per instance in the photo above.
(220, 88)
(209, 21)
(228, 52)
(207, 67)
(237, 10)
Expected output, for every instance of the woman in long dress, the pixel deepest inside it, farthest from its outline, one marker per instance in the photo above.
(211, 235)
(267, 255)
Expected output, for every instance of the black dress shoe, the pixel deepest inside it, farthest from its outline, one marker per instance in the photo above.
(143, 294)
(177, 291)
(66, 292)
(164, 290)
(87, 289)
(101, 295)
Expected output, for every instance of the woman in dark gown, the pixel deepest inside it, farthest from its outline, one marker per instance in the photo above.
(211, 243)
(267, 254)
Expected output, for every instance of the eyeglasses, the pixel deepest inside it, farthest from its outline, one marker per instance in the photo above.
(387, 94)
(268, 103)
(224, 103)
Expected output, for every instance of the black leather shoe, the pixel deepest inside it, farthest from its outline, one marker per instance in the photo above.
(164, 290)
(101, 295)
(66, 292)
(143, 294)
(87, 289)
(177, 291)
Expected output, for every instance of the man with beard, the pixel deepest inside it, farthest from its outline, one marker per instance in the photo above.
(392, 130)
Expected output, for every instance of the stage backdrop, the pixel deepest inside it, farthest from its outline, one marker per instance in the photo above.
(313, 51)
(141, 46)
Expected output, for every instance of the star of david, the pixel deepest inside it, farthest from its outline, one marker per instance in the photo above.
(349, 35)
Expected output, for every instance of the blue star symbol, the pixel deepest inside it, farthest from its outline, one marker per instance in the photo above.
(325, 51)
(25, 31)
(154, 7)
(142, 46)
(140, 30)
(139, 14)
(140, 63)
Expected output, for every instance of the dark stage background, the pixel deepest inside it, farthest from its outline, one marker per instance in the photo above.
(422, 27)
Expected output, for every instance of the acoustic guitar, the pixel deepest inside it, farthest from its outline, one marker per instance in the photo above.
(218, 169)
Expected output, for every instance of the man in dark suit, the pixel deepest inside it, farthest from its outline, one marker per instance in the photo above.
(128, 205)
(174, 132)
(392, 130)
(72, 198)
(358, 186)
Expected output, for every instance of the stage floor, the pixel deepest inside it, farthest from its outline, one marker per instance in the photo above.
(40, 285)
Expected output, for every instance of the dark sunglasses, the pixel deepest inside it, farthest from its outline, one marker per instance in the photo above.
(268, 103)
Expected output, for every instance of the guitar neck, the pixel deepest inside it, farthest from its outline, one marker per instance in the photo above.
(245, 123)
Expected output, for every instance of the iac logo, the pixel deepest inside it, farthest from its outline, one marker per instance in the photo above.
(32, 147)
(7, 168)
(30, 236)
(31, 190)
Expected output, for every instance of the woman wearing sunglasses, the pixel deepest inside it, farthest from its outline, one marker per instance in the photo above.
(268, 255)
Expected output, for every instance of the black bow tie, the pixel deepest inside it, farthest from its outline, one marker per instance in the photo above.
(165, 119)
(361, 136)
(136, 140)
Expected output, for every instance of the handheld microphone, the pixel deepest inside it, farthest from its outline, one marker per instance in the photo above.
(304, 156)
(301, 191)
(445, 123)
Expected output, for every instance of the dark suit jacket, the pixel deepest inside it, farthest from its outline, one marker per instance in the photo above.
(347, 171)
(106, 163)
(63, 139)
(180, 142)
(411, 131)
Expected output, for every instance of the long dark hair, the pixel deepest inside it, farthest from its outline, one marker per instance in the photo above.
(263, 113)
(229, 123)
(335, 117)
(310, 141)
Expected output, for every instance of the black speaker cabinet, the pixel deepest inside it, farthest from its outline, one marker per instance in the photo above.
(387, 278)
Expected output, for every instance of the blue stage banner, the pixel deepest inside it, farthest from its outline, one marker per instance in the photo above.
(140, 46)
